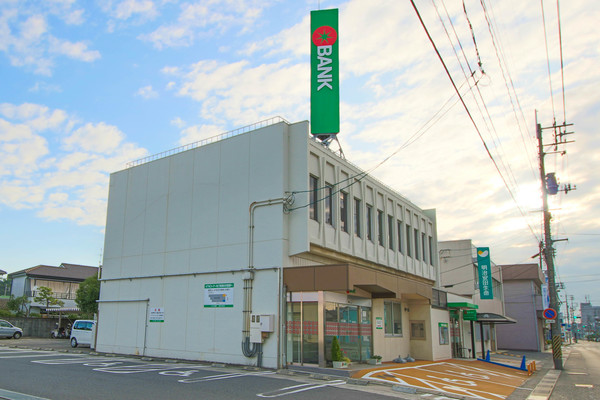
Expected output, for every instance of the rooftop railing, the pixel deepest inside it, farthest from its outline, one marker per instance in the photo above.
(204, 142)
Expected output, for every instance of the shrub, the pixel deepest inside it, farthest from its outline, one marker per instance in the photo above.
(336, 352)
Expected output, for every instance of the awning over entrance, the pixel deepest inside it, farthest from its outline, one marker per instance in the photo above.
(355, 279)
(463, 305)
(492, 318)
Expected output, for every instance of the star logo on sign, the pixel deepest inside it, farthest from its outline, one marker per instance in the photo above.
(324, 36)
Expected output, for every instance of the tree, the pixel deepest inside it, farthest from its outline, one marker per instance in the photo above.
(45, 295)
(87, 295)
(18, 304)
(5, 287)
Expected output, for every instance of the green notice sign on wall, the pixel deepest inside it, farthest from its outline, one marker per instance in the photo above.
(470, 315)
(324, 72)
(485, 273)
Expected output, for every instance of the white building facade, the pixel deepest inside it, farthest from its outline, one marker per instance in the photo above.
(266, 225)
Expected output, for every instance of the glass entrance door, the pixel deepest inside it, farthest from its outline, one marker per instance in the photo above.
(352, 326)
(302, 333)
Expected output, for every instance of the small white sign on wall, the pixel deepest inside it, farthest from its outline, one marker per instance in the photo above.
(157, 314)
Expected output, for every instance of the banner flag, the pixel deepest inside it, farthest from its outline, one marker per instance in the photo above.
(485, 273)
(324, 72)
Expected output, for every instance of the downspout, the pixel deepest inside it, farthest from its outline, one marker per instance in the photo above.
(248, 349)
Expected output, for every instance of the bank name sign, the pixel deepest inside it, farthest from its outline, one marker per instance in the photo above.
(485, 273)
(325, 69)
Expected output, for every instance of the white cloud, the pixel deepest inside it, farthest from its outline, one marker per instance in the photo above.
(77, 51)
(96, 138)
(28, 41)
(197, 133)
(51, 163)
(243, 93)
(147, 92)
(178, 122)
(200, 18)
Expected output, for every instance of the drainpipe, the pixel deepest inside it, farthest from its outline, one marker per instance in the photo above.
(248, 349)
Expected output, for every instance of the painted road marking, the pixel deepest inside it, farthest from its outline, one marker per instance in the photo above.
(299, 388)
(7, 394)
(89, 361)
(33, 354)
(224, 376)
(453, 378)
(141, 368)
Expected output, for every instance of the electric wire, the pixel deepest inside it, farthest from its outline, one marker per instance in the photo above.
(562, 67)
(471, 117)
(437, 116)
(508, 83)
(548, 60)
(492, 131)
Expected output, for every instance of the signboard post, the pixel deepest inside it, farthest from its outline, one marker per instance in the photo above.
(485, 273)
(324, 73)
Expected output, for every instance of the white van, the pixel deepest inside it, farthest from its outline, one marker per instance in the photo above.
(83, 332)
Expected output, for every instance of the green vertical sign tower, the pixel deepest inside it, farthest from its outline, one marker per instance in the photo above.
(485, 273)
(324, 73)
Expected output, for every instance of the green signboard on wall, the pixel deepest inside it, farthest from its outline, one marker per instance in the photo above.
(324, 72)
(470, 315)
(485, 273)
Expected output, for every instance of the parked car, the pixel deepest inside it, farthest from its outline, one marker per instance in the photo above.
(82, 332)
(8, 330)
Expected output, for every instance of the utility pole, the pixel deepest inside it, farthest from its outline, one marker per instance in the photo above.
(548, 242)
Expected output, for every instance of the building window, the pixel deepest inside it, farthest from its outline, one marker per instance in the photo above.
(417, 330)
(391, 232)
(399, 223)
(357, 217)
(475, 277)
(328, 204)
(424, 247)
(430, 250)
(409, 249)
(344, 211)
(313, 205)
(439, 299)
(392, 314)
(417, 245)
(370, 222)
(380, 227)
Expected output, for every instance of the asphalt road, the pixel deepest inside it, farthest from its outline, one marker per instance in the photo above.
(580, 377)
(32, 373)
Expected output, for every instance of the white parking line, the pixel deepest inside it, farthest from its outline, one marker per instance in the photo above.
(299, 388)
(140, 368)
(89, 361)
(7, 394)
(224, 376)
(32, 354)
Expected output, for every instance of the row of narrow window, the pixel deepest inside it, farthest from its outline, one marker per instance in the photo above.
(423, 252)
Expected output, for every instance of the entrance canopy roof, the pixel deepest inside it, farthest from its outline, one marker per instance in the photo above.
(464, 305)
(362, 281)
(492, 318)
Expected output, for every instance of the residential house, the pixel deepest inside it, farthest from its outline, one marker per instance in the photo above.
(522, 285)
(64, 281)
(472, 318)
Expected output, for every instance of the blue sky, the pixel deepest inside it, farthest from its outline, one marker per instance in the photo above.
(88, 86)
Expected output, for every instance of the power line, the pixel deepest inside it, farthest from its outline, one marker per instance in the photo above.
(471, 117)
